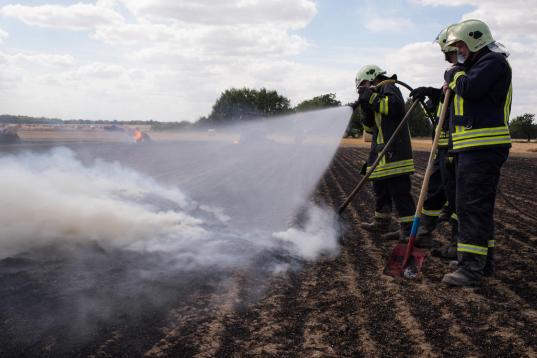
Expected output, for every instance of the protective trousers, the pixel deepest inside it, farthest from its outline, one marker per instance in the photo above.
(477, 176)
(449, 184)
(436, 194)
(441, 193)
(394, 191)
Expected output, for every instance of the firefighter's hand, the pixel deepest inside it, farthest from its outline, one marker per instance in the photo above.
(354, 105)
(450, 72)
(419, 94)
(365, 94)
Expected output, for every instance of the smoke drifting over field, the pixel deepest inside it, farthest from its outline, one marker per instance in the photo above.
(99, 236)
(219, 203)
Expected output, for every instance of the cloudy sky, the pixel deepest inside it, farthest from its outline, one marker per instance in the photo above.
(169, 60)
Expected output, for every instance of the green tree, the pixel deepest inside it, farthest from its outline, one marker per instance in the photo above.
(319, 102)
(246, 103)
(419, 123)
(523, 127)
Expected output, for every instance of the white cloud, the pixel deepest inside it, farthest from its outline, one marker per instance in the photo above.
(39, 59)
(387, 24)
(204, 40)
(450, 3)
(169, 60)
(418, 64)
(293, 13)
(79, 16)
(3, 36)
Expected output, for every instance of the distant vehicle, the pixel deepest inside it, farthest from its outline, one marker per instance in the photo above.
(211, 132)
(9, 136)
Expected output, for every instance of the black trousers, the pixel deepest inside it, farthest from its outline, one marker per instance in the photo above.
(436, 193)
(394, 191)
(477, 175)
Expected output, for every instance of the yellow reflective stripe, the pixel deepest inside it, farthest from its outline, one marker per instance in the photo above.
(454, 217)
(397, 164)
(492, 243)
(383, 109)
(378, 123)
(444, 138)
(385, 173)
(439, 109)
(481, 142)
(383, 215)
(480, 132)
(507, 106)
(431, 212)
(458, 105)
(406, 219)
(472, 249)
(481, 137)
(380, 134)
(453, 83)
(372, 98)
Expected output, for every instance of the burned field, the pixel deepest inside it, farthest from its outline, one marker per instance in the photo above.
(83, 300)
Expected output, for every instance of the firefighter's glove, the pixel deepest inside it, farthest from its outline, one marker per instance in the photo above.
(451, 72)
(354, 105)
(366, 95)
(419, 94)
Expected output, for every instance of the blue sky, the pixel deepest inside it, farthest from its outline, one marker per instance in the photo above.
(169, 60)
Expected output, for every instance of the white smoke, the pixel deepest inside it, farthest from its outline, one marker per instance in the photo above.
(53, 197)
(247, 196)
(318, 235)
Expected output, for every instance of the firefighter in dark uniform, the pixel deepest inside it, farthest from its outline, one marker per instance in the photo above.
(441, 192)
(481, 107)
(383, 109)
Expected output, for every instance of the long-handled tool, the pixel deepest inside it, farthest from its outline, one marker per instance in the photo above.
(404, 259)
(387, 146)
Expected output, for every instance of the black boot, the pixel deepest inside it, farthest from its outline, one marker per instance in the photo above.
(449, 251)
(461, 277)
(378, 225)
(490, 266)
(469, 270)
(400, 235)
(424, 237)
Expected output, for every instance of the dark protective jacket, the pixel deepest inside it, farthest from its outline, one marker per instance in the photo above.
(482, 104)
(444, 141)
(381, 117)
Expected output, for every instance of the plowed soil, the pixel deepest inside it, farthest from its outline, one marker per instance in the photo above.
(338, 306)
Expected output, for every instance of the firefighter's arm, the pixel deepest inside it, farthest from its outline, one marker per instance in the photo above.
(368, 120)
(389, 102)
(478, 82)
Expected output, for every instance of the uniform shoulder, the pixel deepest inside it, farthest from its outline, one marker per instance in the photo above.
(390, 89)
(493, 56)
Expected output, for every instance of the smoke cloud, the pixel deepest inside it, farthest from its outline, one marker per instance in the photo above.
(242, 198)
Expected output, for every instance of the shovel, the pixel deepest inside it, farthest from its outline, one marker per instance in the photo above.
(405, 260)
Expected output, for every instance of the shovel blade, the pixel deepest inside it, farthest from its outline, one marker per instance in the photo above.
(394, 266)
